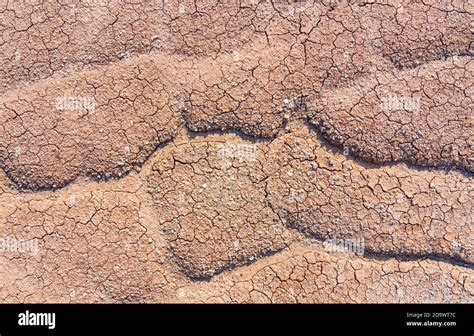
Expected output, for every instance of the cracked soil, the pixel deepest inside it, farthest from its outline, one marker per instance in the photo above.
(221, 151)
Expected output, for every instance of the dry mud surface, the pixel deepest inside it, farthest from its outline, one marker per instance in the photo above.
(236, 151)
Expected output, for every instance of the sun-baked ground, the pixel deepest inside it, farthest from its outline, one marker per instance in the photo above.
(237, 151)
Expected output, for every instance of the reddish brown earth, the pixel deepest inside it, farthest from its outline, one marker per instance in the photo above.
(195, 151)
